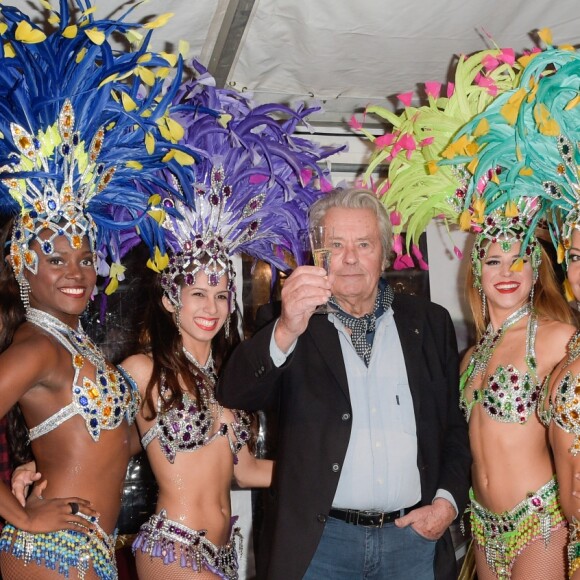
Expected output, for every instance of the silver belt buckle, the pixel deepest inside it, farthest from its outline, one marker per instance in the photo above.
(374, 513)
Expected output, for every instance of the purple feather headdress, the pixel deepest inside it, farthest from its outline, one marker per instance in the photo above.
(253, 184)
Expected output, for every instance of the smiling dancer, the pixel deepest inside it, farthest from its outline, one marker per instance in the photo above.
(522, 323)
(517, 150)
(545, 137)
(72, 148)
(466, 161)
(253, 184)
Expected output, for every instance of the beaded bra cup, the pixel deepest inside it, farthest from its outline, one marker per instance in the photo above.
(103, 403)
(189, 425)
(508, 396)
(564, 409)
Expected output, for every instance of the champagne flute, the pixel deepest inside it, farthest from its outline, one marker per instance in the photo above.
(320, 242)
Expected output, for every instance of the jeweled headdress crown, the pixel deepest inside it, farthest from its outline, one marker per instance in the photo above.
(505, 226)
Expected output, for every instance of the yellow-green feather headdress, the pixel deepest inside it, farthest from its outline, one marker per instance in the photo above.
(417, 189)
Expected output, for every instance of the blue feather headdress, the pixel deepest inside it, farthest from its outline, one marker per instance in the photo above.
(83, 129)
(253, 184)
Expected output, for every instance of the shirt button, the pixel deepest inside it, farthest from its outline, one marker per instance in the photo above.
(335, 467)
(321, 518)
(346, 416)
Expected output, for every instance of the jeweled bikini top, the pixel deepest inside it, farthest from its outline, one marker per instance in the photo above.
(102, 403)
(508, 396)
(564, 409)
(189, 425)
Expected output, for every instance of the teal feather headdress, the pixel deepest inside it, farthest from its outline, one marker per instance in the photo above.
(83, 129)
(525, 147)
(547, 140)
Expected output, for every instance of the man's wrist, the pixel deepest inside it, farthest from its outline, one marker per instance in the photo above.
(445, 495)
(283, 336)
(278, 355)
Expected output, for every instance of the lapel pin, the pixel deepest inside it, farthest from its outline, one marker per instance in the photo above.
(416, 331)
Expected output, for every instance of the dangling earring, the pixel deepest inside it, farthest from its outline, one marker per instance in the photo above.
(24, 292)
(227, 326)
(177, 304)
(532, 296)
(178, 319)
(483, 304)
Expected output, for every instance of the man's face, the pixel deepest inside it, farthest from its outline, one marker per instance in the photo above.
(357, 258)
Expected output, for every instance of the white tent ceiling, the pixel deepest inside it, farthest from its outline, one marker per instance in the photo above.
(345, 53)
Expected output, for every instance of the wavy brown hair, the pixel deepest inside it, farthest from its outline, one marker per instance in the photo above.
(548, 300)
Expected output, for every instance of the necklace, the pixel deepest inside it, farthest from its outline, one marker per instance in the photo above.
(488, 342)
(208, 381)
(75, 341)
(207, 369)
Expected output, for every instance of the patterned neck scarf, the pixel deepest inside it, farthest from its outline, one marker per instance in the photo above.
(363, 328)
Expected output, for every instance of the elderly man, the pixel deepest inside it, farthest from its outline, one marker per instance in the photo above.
(373, 458)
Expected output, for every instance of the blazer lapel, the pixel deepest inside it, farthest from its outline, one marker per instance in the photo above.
(327, 342)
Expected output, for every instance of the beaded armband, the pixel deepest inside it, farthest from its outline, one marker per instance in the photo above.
(241, 428)
(544, 408)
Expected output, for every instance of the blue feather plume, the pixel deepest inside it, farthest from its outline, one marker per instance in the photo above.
(38, 75)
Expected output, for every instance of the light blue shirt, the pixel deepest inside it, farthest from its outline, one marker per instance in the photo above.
(380, 469)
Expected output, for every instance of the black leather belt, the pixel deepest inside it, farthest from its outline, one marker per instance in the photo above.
(368, 518)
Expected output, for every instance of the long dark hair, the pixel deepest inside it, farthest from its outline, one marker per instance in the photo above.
(160, 339)
(12, 315)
